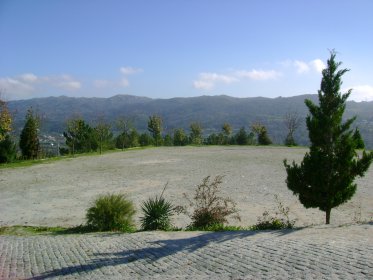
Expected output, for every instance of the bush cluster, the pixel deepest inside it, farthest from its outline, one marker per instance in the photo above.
(208, 211)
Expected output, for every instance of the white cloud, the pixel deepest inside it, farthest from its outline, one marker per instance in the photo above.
(130, 70)
(126, 71)
(258, 74)
(26, 85)
(301, 66)
(362, 93)
(14, 86)
(318, 65)
(207, 81)
(29, 77)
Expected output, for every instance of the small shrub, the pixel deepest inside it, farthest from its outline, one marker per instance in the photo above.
(111, 212)
(281, 219)
(157, 213)
(210, 208)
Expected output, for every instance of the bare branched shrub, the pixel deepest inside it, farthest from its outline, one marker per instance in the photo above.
(280, 220)
(209, 207)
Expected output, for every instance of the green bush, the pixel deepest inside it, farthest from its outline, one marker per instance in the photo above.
(280, 220)
(157, 213)
(270, 222)
(210, 209)
(111, 212)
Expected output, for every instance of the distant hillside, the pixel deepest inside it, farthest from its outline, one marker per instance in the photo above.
(210, 111)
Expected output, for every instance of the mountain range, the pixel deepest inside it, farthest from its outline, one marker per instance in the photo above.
(210, 111)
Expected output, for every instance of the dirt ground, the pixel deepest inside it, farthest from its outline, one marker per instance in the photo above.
(58, 193)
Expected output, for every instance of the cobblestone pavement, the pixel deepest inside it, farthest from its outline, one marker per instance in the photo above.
(321, 252)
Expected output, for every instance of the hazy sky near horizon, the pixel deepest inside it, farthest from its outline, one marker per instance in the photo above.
(180, 48)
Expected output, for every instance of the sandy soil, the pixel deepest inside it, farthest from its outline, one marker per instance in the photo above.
(58, 193)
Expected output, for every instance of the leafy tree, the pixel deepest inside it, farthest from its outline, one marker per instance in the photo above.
(180, 138)
(5, 120)
(155, 128)
(292, 122)
(103, 134)
(359, 140)
(123, 140)
(226, 133)
(196, 133)
(261, 131)
(29, 140)
(80, 136)
(325, 178)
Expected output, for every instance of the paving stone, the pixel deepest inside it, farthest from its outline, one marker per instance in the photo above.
(310, 253)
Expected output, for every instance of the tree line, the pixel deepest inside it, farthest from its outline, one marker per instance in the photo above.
(82, 137)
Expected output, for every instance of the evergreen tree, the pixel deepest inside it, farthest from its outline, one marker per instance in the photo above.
(241, 137)
(359, 140)
(155, 128)
(325, 178)
(8, 151)
(29, 140)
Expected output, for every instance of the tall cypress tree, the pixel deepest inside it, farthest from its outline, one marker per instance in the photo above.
(325, 178)
(29, 141)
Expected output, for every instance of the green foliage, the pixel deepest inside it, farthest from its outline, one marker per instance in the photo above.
(215, 227)
(5, 120)
(168, 141)
(80, 136)
(157, 213)
(280, 220)
(261, 131)
(29, 140)
(269, 222)
(8, 151)
(103, 135)
(127, 140)
(241, 137)
(155, 128)
(180, 138)
(196, 133)
(210, 208)
(358, 139)
(325, 178)
(289, 140)
(145, 140)
(111, 212)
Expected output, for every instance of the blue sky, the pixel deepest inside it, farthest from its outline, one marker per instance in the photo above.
(175, 48)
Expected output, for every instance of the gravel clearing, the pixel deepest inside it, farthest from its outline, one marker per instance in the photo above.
(58, 193)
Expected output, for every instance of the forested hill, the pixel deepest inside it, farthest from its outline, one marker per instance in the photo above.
(210, 111)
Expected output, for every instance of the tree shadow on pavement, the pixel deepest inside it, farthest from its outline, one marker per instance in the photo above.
(152, 251)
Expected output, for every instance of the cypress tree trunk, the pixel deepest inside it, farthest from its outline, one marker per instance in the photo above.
(327, 212)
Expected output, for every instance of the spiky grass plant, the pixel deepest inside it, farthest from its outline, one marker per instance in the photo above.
(157, 213)
(111, 212)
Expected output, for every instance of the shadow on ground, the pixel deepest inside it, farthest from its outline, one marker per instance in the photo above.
(155, 250)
